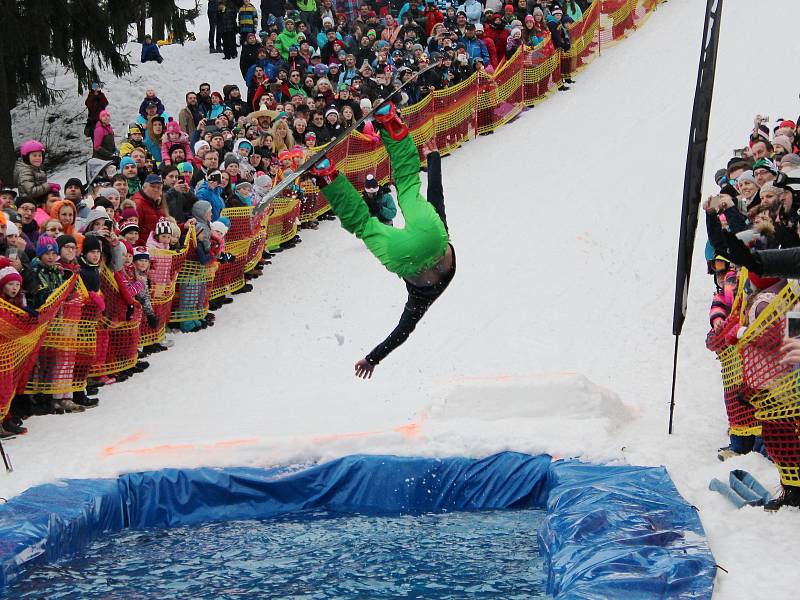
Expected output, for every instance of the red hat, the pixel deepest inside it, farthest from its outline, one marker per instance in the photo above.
(8, 274)
(284, 155)
(787, 124)
(508, 8)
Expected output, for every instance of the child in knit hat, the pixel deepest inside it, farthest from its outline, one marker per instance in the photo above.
(11, 284)
(129, 230)
(130, 172)
(161, 236)
(49, 274)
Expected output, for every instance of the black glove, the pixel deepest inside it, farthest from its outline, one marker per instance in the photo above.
(129, 312)
(31, 311)
(152, 321)
(740, 254)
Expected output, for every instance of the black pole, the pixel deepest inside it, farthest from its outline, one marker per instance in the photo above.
(674, 376)
(6, 460)
(693, 177)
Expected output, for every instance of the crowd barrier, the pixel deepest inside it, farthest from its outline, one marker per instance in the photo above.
(71, 340)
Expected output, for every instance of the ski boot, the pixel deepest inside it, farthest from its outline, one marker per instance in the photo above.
(324, 172)
(388, 118)
(790, 496)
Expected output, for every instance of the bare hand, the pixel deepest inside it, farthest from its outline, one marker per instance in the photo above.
(191, 222)
(364, 368)
(791, 348)
(725, 202)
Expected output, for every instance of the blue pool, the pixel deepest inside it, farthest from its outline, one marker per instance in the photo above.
(312, 556)
(509, 525)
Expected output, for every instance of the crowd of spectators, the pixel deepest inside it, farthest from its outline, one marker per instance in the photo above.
(310, 70)
(757, 208)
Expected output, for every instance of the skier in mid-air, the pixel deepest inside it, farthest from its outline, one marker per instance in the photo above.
(421, 252)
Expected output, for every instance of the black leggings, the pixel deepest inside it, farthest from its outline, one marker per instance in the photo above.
(435, 190)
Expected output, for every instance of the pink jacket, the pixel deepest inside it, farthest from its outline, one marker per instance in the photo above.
(166, 144)
(100, 132)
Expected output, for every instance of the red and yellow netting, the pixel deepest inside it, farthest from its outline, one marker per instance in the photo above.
(77, 342)
(163, 276)
(193, 285)
(21, 335)
(68, 348)
(117, 335)
(771, 387)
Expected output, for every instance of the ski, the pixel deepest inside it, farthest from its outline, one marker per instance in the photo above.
(314, 159)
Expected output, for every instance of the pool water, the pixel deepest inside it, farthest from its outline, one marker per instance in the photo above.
(315, 555)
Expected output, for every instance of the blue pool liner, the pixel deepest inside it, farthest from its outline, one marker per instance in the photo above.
(610, 532)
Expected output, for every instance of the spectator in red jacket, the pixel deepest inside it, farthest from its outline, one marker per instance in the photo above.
(497, 32)
(149, 206)
(432, 16)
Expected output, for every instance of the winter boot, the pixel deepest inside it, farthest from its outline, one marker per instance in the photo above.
(69, 406)
(247, 287)
(790, 496)
(388, 118)
(81, 399)
(13, 426)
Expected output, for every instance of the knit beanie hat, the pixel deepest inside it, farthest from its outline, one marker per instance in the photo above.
(109, 192)
(91, 242)
(45, 244)
(230, 159)
(219, 227)
(747, 176)
(790, 159)
(65, 239)
(784, 142)
(129, 212)
(162, 227)
(11, 228)
(126, 160)
(128, 225)
(371, 183)
(7, 275)
(200, 145)
(765, 163)
(141, 253)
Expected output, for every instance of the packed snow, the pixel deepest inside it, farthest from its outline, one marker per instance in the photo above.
(555, 335)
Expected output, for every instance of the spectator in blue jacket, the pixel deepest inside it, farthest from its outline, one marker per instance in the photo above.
(473, 9)
(150, 50)
(209, 190)
(475, 48)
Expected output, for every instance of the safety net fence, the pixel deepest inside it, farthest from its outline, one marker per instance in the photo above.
(71, 340)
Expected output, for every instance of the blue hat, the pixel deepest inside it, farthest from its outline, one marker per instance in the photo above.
(46, 244)
(154, 179)
(126, 160)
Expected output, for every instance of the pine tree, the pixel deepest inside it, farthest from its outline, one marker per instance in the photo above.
(81, 35)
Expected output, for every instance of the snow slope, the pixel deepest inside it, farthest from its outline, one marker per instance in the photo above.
(554, 336)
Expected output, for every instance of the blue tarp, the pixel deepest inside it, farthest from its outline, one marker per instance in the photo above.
(611, 532)
(622, 532)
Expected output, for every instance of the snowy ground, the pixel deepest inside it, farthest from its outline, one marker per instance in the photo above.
(554, 336)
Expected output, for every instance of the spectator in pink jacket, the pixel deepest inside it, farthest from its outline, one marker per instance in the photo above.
(174, 136)
(103, 139)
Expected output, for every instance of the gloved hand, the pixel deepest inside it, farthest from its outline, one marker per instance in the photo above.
(740, 253)
(129, 312)
(323, 172)
(31, 311)
(152, 321)
(98, 301)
